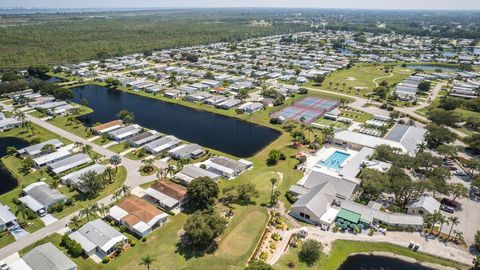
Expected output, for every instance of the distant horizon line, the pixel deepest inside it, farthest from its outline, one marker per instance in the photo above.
(19, 8)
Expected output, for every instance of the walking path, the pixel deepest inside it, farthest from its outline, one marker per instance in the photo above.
(382, 77)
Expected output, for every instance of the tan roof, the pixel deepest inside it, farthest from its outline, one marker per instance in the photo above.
(138, 210)
(170, 189)
(108, 125)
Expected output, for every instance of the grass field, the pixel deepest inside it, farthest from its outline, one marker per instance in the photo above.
(236, 245)
(362, 76)
(342, 249)
(119, 147)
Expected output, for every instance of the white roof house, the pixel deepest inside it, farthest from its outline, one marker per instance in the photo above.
(98, 237)
(40, 195)
(69, 163)
(35, 150)
(60, 154)
(191, 172)
(405, 139)
(74, 177)
(47, 257)
(125, 132)
(425, 205)
(162, 144)
(7, 219)
(9, 123)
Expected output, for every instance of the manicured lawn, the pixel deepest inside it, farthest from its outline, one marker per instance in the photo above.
(119, 147)
(74, 127)
(331, 123)
(37, 114)
(101, 141)
(356, 115)
(6, 239)
(342, 249)
(236, 245)
(361, 75)
(136, 154)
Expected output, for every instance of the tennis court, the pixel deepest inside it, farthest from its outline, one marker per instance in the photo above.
(308, 109)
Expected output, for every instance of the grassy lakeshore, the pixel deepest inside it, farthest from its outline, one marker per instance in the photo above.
(342, 249)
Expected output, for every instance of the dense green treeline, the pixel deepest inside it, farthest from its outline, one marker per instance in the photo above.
(67, 41)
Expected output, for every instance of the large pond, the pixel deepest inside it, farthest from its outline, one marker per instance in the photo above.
(7, 180)
(432, 68)
(374, 262)
(226, 134)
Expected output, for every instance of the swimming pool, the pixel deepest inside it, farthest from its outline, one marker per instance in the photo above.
(335, 160)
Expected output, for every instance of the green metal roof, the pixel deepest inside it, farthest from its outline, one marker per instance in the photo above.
(349, 215)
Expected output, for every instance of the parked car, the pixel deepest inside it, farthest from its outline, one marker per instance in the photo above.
(447, 208)
(460, 174)
(4, 266)
(41, 213)
(456, 205)
(452, 168)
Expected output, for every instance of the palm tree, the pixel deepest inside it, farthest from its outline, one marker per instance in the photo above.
(116, 196)
(148, 164)
(103, 210)
(89, 210)
(125, 190)
(74, 221)
(442, 220)
(147, 261)
(78, 145)
(422, 146)
(86, 149)
(454, 221)
(330, 84)
(433, 218)
(22, 209)
(109, 173)
(309, 129)
(328, 133)
(458, 236)
(21, 116)
(273, 180)
(170, 169)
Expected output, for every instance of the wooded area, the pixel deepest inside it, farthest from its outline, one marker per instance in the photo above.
(68, 40)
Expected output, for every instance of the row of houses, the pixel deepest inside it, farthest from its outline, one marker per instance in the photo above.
(151, 141)
(58, 158)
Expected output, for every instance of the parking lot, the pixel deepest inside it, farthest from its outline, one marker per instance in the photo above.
(469, 215)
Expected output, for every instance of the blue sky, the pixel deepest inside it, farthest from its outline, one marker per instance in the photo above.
(368, 4)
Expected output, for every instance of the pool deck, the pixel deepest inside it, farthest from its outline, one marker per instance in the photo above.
(312, 162)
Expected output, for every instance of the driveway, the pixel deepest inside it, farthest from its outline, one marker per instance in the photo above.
(48, 219)
(18, 233)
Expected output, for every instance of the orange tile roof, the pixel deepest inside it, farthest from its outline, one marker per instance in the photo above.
(170, 189)
(138, 210)
(108, 124)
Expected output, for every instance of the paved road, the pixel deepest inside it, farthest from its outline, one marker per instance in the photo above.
(133, 179)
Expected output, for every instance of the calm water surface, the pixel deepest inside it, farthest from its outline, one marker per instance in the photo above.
(373, 262)
(226, 134)
(7, 180)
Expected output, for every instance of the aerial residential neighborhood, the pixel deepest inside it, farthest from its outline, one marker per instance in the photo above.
(224, 138)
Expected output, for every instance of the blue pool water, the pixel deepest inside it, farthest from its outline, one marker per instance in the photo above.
(335, 160)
